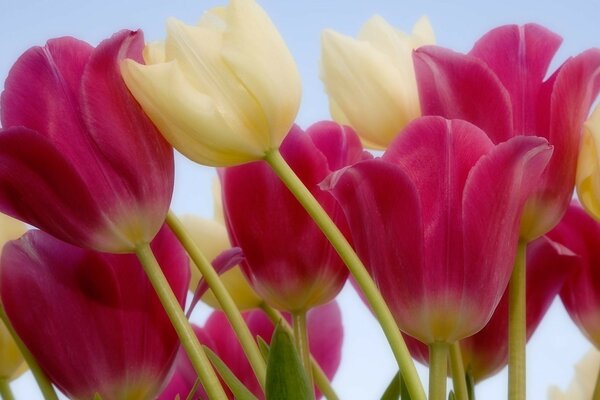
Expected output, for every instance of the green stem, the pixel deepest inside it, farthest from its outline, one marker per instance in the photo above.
(459, 381)
(223, 297)
(470, 385)
(596, 395)
(42, 380)
(438, 370)
(301, 340)
(357, 269)
(5, 391)
(321, 379)
(188, 338)
(517, 328)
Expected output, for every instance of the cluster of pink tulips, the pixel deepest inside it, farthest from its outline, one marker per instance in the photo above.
(458, 236)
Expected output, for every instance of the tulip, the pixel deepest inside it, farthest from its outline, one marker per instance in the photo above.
(581, 291)
(426, 222)
(588, 173)
(289, 262)
(223, 92)
(371, 80)
(12, 364)
(499, 86)
(582, 386)
(324, 330)
(80, 160)
(485, 353)
(92, 320)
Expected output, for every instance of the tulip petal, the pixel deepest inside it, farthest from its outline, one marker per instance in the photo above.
(137, 162)
(520, 57)
(383, 211)
(455, 85)
(92, 320)
(51, 179)
(326, 336)
(503, 177)
(251, 43)
(41, 93)
(338, 143)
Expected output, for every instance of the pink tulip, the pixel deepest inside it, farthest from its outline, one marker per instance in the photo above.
(289, 262)
(92, 320)
(79, 159)
(325, 337)
(436, 222)
(581, 291)
(499, 86)
(486, 352)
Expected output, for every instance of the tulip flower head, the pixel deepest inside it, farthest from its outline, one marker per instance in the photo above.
(288, 260)
(325, 333)
(503, 86)
(485, 353)
(371, 80)
(588, 166)
(427, 222)
(223, 92)
(92, 320)
(79, 158)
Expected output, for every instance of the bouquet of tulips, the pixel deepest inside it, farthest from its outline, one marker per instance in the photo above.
(457, 229)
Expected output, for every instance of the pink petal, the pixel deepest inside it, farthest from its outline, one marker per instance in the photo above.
(454, 85)
(502, 177)
(92, 320)
(134, 157)
(520, 57)
(340, 144)
(38, 173)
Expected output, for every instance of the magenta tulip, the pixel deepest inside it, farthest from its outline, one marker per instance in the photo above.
(92, 320)
(500, 87)
(289, 262)
(581, 291)
(78, 157)
(325, 336)
(486, 352)
(436, 222)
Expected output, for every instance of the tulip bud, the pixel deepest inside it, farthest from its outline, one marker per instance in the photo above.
(588, 166)
(371, 80)
(224, 92)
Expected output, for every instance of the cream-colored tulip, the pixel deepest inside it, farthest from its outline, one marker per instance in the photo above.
(371, 80)
(223, 92)
(588, 166)
(12, 364)
(582, 386)
(211, 238)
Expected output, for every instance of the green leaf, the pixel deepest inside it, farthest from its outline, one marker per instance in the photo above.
(404, 395)
(263, 347)
(470, 385)
(238, 389)
(393, 390)
(286, 378)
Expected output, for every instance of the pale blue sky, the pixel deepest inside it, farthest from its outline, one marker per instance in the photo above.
(367, 364)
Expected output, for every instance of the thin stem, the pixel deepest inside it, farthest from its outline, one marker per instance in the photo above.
(188, 338)
(596, 395)
(5, 391)
(321, 379)
(301, 341)
(438, 370)
(459, 381)
(223, 297)
(517, 328)
(357, 269)
(40, 377)
(470, 385)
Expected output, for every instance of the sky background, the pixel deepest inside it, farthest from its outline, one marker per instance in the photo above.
(367, 364)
